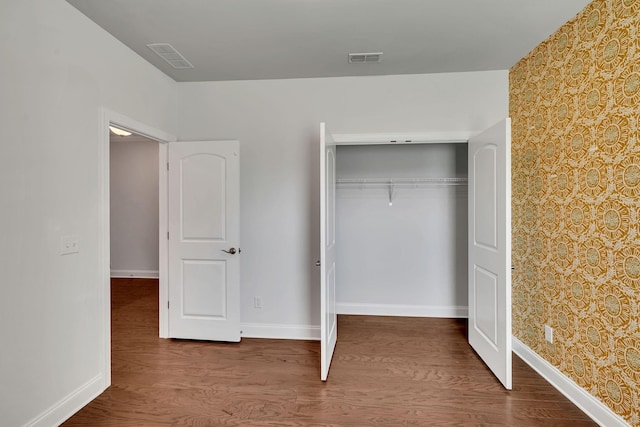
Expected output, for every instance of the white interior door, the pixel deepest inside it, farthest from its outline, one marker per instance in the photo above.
(490, 248)
(329, 318)
(204, 234)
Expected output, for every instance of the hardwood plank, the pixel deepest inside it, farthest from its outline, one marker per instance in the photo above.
(386, 371)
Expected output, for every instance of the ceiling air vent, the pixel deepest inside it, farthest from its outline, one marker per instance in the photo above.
(171, 55)
(362, 58)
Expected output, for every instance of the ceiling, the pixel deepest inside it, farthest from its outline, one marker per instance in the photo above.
(273, 39)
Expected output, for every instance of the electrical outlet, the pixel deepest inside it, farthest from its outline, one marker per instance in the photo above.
(548, 333)
(70, 245)
(257, 302)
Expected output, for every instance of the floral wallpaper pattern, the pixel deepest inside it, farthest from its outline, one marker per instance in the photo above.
(575, 109)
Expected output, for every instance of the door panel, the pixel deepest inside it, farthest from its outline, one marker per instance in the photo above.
(203, 188)
(490, 248)
(486, 297)
(486, 225)
(204, 209)
(204, 284)
(329, 318)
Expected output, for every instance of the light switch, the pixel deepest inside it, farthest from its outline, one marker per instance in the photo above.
(70, 245)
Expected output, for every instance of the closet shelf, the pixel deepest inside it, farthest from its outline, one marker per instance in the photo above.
(400, 181)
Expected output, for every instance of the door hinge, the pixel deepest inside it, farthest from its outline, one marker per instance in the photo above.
(167, 165)
(167, 235)
(167, 304)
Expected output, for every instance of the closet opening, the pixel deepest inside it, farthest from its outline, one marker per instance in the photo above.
(397, 244)
(401, 230)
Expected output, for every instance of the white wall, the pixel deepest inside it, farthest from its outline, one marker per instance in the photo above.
(134, 206)
(58, 70)
(409, 258)
(277, 123)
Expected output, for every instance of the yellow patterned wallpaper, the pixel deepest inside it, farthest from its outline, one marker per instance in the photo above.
(575, 106)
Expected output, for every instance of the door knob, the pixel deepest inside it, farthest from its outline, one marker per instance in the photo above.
(231, 251)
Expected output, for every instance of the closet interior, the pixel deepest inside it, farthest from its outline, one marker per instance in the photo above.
(401, 229)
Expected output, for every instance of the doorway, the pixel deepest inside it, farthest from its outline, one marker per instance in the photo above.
(111, 118)
(133, 187)
(134, 223)
(489, 247)
(401, 229)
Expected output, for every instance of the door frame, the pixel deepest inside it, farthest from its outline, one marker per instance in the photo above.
(461, 137)
(421, 138)
(109, 117)
(458, 137)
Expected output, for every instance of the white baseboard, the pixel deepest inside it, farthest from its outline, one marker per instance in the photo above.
(402, 310)
(278, 331)
(311, 332)
(138, 274)
(71, 404)
(590, 405)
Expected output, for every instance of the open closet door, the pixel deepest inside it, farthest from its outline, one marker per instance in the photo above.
(329, 318)
(490, 248)
(204, 233)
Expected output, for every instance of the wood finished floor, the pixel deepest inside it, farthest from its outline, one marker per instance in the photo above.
(386, 371)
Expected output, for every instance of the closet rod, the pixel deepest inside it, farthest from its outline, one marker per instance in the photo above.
(401, 181)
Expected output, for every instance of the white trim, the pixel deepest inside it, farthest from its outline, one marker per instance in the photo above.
(401, 138)
(280, 331)
(104, 247)
(590, 405)
(138, 274)
(127, 123)
(72, 403)
(401, 310)
(111, 117)
(163, 230)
